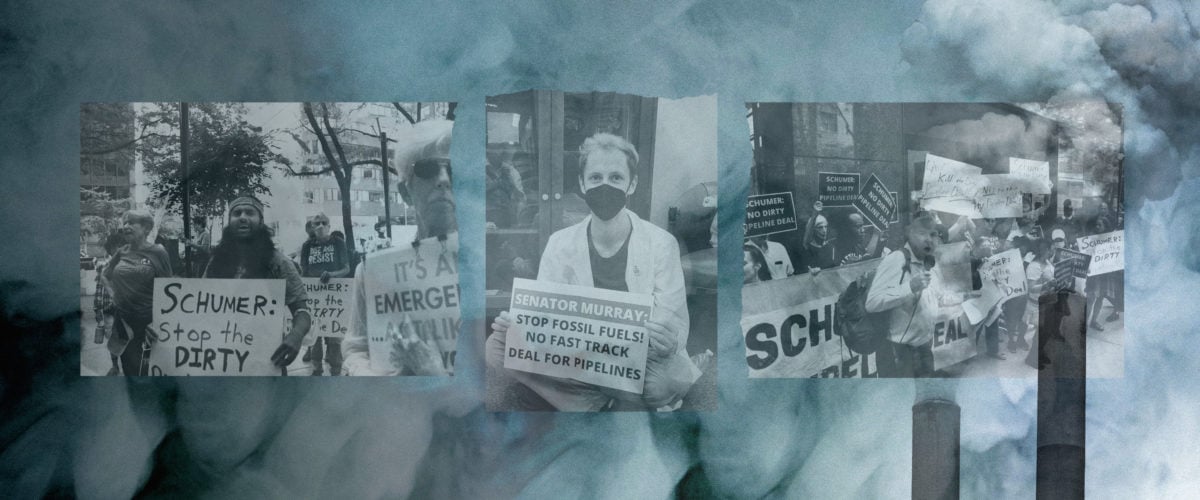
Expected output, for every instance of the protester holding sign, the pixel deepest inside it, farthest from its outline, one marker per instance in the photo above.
(819, 249)
(246, 251)
(426, 184)
(323, 256)
(614, 249)
(130, 273)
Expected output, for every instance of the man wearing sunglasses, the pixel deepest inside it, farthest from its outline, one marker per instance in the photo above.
(427, 187)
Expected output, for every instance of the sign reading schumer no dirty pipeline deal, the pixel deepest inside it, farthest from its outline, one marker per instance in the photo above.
(592, 335)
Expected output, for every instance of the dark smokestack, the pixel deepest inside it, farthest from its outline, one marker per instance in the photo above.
(1062, 391)
(935, 441)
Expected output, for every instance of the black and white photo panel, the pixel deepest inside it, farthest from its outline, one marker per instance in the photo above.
(934, 240)
(233, 239)
(601, 260)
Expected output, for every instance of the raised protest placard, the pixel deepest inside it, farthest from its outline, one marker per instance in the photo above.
(770, 214)
(788, 328)
(999, 195)
(330, 306)
(876, 203)
(950, 186)
(216, 327)
(1069, 265)
(592, 335)
(837, 190)
(1107, 251)
(413, 290)
(1034, 175)
(1003, 277)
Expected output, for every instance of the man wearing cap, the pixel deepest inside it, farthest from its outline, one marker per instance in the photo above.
(246, 251)
(898, 289)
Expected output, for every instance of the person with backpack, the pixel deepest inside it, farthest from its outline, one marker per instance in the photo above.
(897, 292)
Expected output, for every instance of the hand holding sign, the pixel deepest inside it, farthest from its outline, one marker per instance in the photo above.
(411, 354)
(663, 341)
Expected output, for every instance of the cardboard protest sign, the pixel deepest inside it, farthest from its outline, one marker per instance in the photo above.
(1003, 277)
(770, 214)
(950, 186)
(999, 195)
(592, 335)
(789, 329)
(837, 190)
(413, 291)
(330, 306)
(876, 203)
(1034, 175)
(216, 327)
(1107, 251)
(950, 278)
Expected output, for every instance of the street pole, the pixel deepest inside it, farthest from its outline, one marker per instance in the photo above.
(187, 189)
(387, 200)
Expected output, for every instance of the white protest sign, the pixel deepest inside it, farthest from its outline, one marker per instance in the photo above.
(950, 186)
(1003, 277)
(216, 327)
(330, 306)
(1107, 251)
(592, 335)
(999, 195)
(413, 290)
(1035, 174)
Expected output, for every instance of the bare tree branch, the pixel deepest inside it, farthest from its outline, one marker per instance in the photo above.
(302, 173)
(337, 143)
(405, 113)
(312, 119)
(118, 147)
(296, 137)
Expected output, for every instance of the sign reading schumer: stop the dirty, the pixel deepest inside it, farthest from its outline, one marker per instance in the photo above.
(592, 335)
(216, 327)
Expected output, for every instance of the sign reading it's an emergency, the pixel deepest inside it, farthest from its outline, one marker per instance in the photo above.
(216, 327)
(413, 290)
(592, 335)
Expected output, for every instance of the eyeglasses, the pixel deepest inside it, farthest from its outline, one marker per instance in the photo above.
(429, 168)
(1058, 240)
(320, 223)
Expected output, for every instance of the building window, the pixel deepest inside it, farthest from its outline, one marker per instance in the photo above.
(309, 197)
(376, 197)
(369, 173)
(827, 119)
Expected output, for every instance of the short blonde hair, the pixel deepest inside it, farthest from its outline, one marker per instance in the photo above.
(142, 217)
(603, 141)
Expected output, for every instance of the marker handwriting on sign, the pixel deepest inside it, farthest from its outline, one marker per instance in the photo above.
(212, 303)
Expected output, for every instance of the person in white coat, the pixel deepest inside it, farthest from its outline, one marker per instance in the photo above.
(614, 249)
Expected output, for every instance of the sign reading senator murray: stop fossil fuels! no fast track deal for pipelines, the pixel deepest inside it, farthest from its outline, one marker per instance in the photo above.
(592, 335)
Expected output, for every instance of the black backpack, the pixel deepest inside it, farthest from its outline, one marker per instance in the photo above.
(863, 332)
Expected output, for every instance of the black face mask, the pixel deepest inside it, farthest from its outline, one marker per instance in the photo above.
(605, 201)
